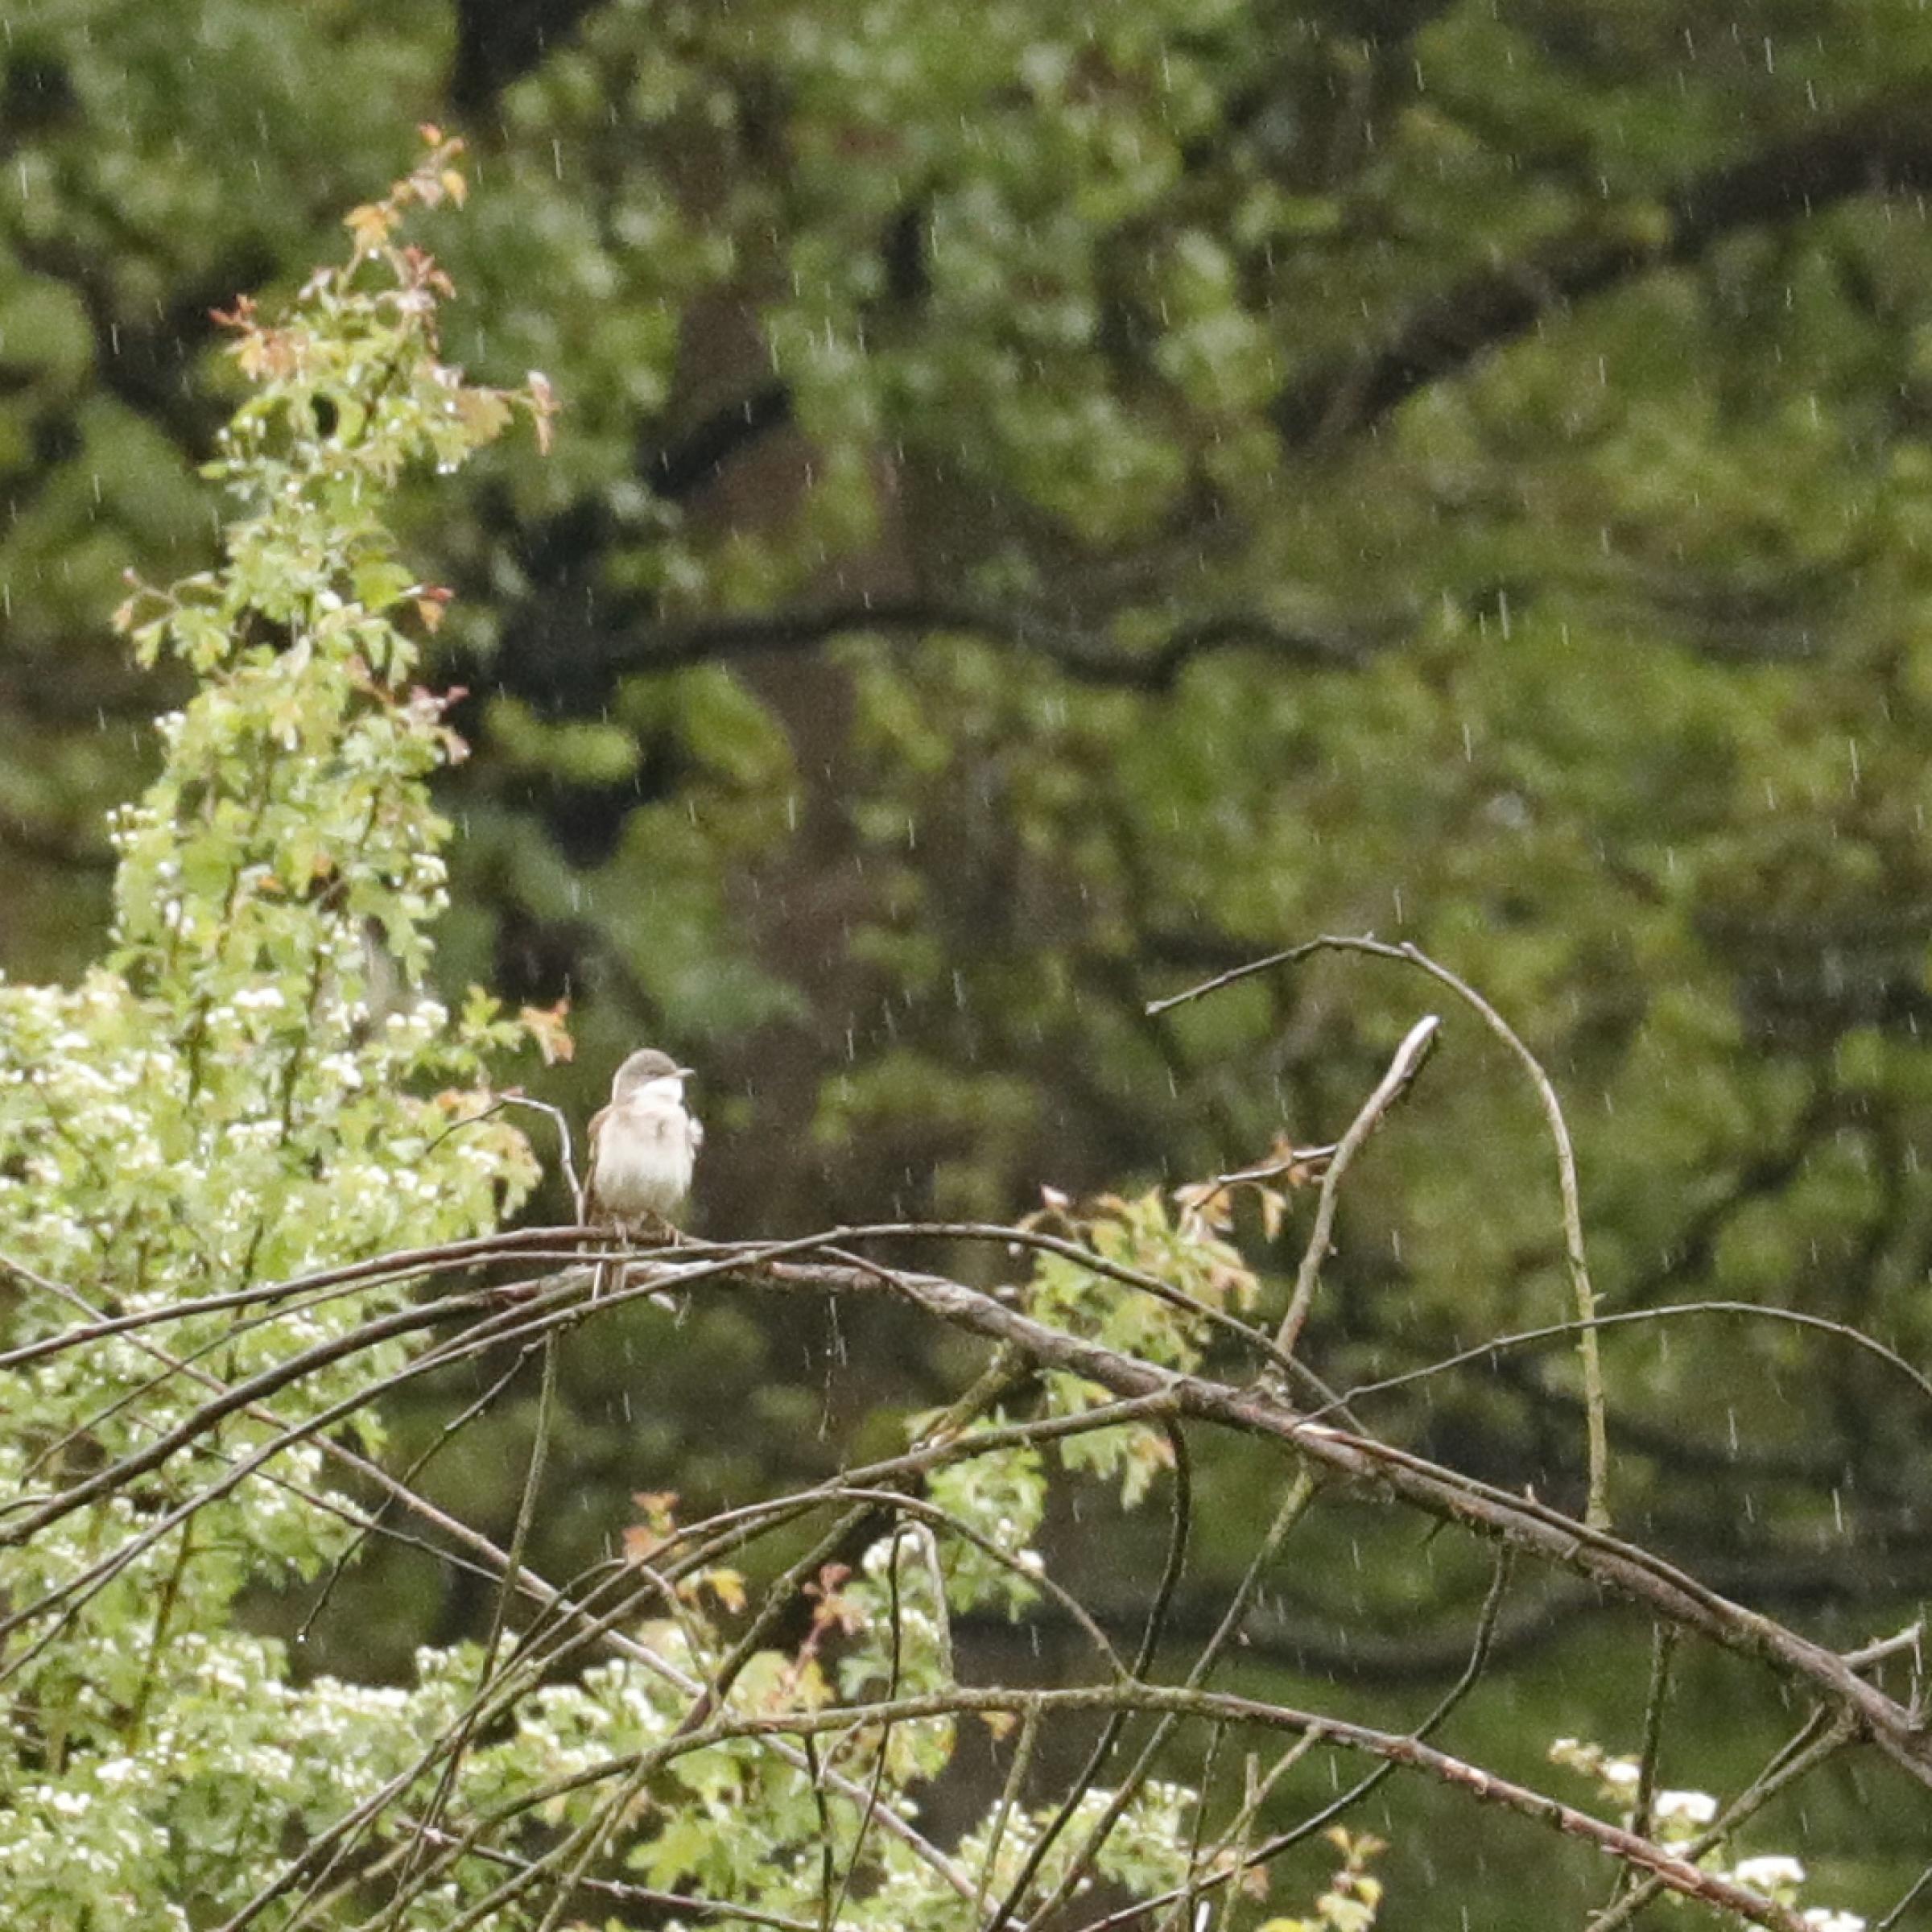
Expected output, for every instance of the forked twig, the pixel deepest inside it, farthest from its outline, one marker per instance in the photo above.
(1228, 1868)
(1822, 1737)
(565, 1156)
(1597, 1511)
(1416, 1045)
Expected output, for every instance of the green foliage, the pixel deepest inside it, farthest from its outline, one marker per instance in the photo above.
(1180, 1249)
(1620, 703)
(1353, 1897)
(256, 1087)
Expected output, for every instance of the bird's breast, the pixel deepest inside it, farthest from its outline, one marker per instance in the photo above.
(643, 1160)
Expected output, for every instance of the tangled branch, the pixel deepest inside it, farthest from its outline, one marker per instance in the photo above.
(597, 1616)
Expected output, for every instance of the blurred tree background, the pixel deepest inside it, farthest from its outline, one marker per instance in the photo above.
(1054, 499)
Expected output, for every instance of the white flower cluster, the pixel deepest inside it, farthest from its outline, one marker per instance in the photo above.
(1677, 1817)
(1683, 1808)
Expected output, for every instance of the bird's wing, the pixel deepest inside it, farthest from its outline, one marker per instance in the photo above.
(592, 1209)
(694, 1129)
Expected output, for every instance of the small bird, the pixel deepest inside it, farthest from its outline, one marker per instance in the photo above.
(642, 1146)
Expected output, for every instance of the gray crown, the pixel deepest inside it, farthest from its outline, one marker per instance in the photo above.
(645, 1064)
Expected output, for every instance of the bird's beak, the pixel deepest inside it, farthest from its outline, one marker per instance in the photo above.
(684, 1073)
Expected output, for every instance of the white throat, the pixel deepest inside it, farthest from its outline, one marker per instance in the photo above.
(667, 1090)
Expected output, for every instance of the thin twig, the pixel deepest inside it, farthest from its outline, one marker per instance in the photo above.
(1293, 1506)
(1227, 1870)
(894, 1664)
(1180, 1525)
(565, 1156)
(1524, 1338)
(1010, 1797)
(1663, 1642)
(1407, 1063)
(519, 1541)
(444, 1437)
(329, 1843)
(1904, 1643)
(1896, 1916)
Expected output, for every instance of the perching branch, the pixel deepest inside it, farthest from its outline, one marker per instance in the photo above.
(1081, 652)
(601, 1614)
(1877, 146)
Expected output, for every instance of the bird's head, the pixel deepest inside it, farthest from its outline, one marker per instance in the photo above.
(648, 1069)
